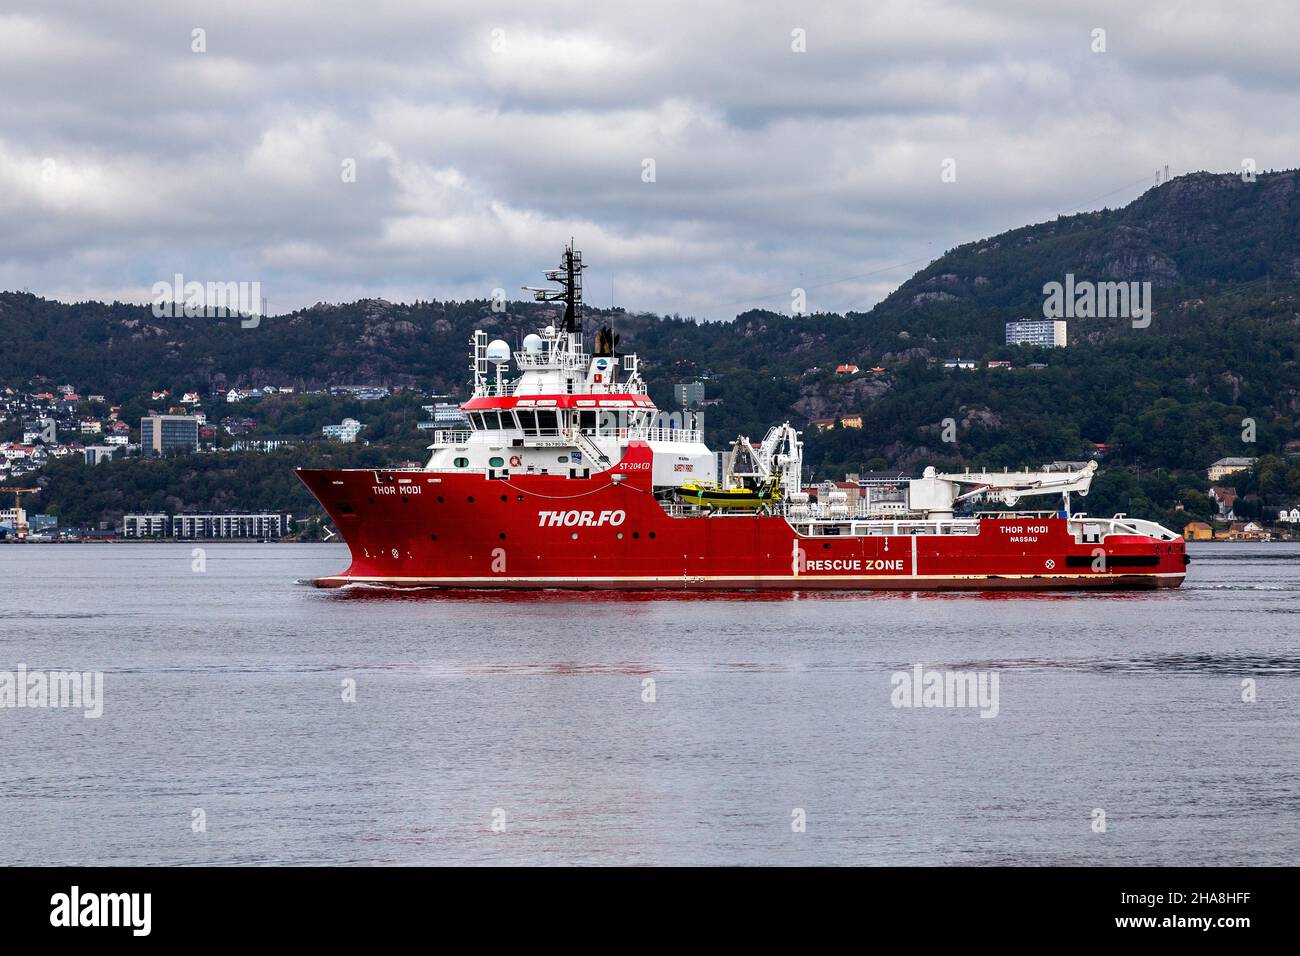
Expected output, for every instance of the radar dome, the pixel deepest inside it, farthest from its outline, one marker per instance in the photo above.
(532, 343)
(498, 352)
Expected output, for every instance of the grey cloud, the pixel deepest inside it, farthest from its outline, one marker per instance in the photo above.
(774, 168)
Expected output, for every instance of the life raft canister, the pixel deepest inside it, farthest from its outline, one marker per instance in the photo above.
(515, 461)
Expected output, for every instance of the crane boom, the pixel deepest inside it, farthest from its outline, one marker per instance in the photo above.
(936, 493)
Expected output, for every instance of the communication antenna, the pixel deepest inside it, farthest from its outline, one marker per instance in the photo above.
(478, 366)
(569, 276)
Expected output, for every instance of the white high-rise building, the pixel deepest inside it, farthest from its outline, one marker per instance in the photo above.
(1044, 333)
(347, 431)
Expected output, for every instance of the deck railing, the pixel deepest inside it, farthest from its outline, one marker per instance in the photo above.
(508, 389)
(665, 434)
(451, 437)
(551, 435)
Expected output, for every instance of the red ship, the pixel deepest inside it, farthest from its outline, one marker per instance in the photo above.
(569, 477)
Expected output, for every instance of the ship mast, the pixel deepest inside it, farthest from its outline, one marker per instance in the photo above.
(569, 277)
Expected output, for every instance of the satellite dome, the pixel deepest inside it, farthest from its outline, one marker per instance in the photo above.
(532, 342)
(498, 352)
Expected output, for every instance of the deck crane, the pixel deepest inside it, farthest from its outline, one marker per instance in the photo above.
(20, 522)
(782, 453)
(936, 493)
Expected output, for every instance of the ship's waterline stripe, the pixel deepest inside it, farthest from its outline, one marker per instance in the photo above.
(806, 578)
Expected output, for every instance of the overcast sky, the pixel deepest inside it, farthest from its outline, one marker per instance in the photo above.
(484, 134)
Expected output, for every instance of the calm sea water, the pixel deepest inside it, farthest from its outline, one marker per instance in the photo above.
(224, 693)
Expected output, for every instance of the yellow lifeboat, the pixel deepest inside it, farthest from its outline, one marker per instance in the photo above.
(713, 495)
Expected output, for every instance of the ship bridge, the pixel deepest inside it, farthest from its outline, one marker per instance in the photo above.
(565, 410)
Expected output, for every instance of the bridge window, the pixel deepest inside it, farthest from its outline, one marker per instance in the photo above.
(548, 423)
(528, 422)
(587, 421)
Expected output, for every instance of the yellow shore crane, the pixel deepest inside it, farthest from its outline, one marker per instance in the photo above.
(20, 524)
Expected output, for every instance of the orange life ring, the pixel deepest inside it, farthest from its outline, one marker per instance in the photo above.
(515, 461)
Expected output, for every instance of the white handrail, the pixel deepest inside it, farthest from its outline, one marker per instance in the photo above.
(509, 389)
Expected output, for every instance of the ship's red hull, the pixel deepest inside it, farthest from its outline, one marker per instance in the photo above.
(454, 530)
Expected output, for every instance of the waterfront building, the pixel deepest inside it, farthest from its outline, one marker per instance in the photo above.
(145, 526)
(207, 526)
